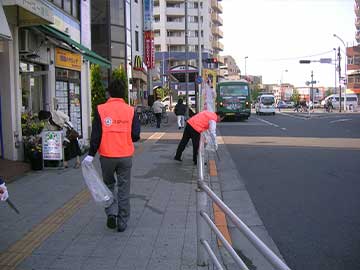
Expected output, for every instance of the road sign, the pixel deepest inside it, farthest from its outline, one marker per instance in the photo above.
(199, 79)
(325, 60)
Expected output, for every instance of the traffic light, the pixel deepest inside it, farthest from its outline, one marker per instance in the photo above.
(212, 60)
(305, 61)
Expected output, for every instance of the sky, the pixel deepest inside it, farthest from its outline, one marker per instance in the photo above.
(276, 34)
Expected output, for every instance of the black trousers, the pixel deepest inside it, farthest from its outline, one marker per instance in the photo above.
(189, 133)
(158, 119)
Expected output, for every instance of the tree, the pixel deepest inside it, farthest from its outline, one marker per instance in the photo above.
(97, 88)
(120, 74)
(295, 96)
(328, 92)
(255, 91)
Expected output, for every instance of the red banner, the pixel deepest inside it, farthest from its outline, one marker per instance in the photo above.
(149, 49)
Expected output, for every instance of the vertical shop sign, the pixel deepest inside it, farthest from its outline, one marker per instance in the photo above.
(148, 13)
(85, 24)
(149, 49)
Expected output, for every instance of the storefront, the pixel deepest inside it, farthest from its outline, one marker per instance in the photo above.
(43, 67)
(139, 82)
(68, 85)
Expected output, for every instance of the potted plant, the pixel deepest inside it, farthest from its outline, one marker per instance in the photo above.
(31, 129)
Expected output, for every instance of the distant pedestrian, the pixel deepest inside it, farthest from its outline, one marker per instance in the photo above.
(200, 122)
(4, 194)
(115, 127)
(180, 110)
(157, 108)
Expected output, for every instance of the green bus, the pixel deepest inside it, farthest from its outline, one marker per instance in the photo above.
(233, 99)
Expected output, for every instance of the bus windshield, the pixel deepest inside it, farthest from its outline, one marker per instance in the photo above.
(234, 90)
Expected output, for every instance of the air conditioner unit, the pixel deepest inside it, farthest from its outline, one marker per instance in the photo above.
(24, 41)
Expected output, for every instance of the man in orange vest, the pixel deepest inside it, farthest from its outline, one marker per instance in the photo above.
(115, 127)
(194, 126)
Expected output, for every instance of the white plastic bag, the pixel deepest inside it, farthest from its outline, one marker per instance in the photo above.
(99, 191)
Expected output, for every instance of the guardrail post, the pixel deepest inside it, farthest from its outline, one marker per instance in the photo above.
(201, 205)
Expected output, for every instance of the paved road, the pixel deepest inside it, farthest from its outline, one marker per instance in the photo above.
(303, 177)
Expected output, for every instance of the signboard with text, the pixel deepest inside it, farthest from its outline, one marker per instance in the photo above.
(149, 49)
(52, 145)
(67, 60)
(148, 13)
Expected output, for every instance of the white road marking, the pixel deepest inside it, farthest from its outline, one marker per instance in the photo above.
(339, 120)
(267, 122)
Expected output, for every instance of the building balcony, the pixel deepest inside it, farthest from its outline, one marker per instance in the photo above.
(357, 23)
(215, 17)
(357, 9)
(357, 36)
(217, 45)
(175, 25)
(217, 32)
(174, 11)
(216, 6)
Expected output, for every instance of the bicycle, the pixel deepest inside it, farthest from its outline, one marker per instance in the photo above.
(164, 116)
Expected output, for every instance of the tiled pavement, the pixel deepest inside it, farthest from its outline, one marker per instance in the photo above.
(60, 227)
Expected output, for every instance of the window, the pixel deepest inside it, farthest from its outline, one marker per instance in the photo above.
(137, 41)
(75, 9)
(58, 3)
(67, 6)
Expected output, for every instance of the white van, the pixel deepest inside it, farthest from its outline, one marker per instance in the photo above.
(265, 104)
(351, 100)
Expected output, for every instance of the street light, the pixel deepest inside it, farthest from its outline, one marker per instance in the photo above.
(335, 69)
(246, 57)
(345, 82)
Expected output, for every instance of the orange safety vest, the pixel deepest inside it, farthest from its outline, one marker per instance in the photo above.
(200, 121)
(116, 122)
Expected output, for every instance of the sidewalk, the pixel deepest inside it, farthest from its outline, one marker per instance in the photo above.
(60, 227)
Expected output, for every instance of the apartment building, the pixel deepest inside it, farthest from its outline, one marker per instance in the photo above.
(169, 33)
(353, 57)
(229, 70)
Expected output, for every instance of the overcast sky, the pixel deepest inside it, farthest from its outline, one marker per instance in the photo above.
(276, 34)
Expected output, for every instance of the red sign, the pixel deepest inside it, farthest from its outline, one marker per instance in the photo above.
(149, 49)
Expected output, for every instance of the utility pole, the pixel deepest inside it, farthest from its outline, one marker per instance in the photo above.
(198, 107)
(186, 60)
(311, 97)
(339, 70)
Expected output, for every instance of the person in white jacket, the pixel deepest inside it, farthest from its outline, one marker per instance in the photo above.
(4, 194)
(157, 108)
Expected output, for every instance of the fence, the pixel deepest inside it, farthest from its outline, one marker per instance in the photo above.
(203, 220)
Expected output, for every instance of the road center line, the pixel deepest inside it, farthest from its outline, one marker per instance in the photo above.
(267, 122)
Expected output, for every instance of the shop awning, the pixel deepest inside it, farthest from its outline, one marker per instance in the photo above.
(5, 33)
(87, 53)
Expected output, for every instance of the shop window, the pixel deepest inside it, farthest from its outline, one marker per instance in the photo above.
(68, 95)
(137, 41)
(31, 87)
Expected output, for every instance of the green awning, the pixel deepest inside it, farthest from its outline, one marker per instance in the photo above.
(87, 54)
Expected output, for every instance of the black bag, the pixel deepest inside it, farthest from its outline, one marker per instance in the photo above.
(72, 134)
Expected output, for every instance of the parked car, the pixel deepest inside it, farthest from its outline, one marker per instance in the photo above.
(290, 104)
(281, 104)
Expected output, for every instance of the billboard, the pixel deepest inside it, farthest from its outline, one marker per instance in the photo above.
(148, 14)
(149, 49)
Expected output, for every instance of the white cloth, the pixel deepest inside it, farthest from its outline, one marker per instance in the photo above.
(4, 194)
(157, 106)
(180, 120)
(88, 159)
(59, 118)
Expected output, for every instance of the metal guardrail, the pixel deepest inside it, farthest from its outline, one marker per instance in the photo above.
(203, 220)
